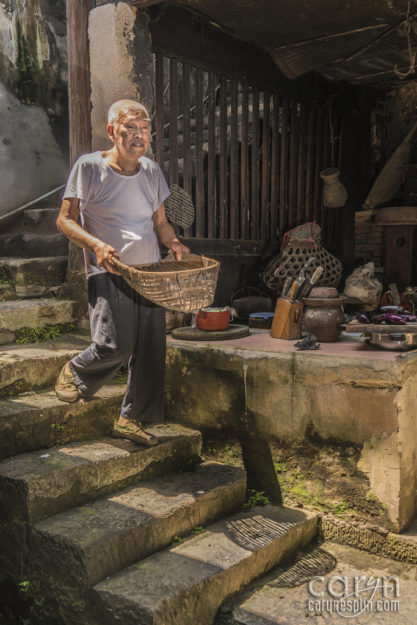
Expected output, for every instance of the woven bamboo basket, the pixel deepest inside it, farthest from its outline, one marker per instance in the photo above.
(182, 285)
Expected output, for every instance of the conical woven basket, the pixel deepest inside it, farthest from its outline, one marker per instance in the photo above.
(182, 285)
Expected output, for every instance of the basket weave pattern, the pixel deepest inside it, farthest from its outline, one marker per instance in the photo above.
(182, 285)
(299, 245)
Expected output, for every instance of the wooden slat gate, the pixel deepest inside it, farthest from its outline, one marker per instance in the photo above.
(250, 158)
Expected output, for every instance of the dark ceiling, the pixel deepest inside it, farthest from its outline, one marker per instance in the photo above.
(359, 41)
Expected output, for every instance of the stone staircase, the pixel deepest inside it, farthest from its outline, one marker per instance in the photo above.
(95, 530)
(33, 263)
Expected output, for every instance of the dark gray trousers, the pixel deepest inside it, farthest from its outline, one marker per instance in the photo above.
(125, 329)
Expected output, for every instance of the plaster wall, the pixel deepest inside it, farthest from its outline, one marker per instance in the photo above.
(120, 63)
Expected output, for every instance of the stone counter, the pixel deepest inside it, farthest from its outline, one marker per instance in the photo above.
(346, 391)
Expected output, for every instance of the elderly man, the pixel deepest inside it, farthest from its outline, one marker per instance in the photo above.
(119, 197)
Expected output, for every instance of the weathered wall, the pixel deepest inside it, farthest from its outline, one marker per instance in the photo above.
(120, 63)
(289, 397)
(34, 122)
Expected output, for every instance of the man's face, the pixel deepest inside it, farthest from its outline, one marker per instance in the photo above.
(132, 135)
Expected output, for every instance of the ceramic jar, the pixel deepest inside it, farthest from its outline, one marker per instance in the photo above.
(323, 313)
(334, 191)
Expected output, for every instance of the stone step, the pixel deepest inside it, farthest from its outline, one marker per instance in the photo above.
(34, 313)
(31, 367)
(320, 588)
(41, 220)
(32, 244)
(82, 546)
(186, 584)
(41, 483)
(40, 272)
(35, 421)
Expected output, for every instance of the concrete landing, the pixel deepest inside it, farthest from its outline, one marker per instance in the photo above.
(331, 585)
(186, 584)
(84, 545)
(45, 482)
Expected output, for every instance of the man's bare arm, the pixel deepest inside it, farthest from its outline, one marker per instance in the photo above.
(68, 226)
(166, 234)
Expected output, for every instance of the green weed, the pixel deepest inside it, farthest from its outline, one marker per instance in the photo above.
(26, 336)
(340, 508)
(256, 498)
(24, 586)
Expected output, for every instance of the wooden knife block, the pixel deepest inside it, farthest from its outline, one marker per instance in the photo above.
(286, 323)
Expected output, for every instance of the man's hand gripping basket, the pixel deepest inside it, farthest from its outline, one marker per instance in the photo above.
(182, 285)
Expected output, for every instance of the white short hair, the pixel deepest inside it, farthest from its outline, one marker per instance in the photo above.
(126, 107)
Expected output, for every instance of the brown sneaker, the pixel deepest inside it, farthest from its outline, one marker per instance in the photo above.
(65, 387)
(133, 432)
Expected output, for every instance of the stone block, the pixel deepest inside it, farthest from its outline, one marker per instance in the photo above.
(44, 482)
(84, 545)
(186, 584)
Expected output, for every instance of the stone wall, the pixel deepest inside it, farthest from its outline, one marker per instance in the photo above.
(34, 100)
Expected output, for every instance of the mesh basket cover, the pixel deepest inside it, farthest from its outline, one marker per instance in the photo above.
(298, 246)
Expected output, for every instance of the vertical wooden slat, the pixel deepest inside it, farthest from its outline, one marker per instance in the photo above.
(308, 196)
(302, 131)
(173, 121)
(234, 179)
(199, 218)
(211, 170)
(159, 109)
(244, 165)
(317, 166)
(186, 133)
(266, 177)
(283, 212)
(255, 166)
(292, 174)
(223, 159)
(328, 228)
(274, 168)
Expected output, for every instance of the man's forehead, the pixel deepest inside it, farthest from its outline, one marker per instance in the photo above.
(134, 117)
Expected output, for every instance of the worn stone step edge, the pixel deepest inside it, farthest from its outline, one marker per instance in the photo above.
(44, 482)
(371, 538)
(82, 546)
(36, 421)
(36, 313)
(40, 271)
(41, 220)
(36, 366)
(186, 584)
(32, 244)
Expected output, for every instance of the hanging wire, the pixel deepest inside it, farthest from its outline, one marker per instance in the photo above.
(412, 55)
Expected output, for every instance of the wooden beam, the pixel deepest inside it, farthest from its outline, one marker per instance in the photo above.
(298, 44)
(143, 4)
(78, 77)
(352, 56)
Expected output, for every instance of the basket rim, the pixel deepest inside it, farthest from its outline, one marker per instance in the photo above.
(172, 271)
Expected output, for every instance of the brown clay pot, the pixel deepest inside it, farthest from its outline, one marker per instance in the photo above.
(323, 315)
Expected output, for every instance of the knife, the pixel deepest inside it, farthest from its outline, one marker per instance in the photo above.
(310, 282)
(286, 287)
